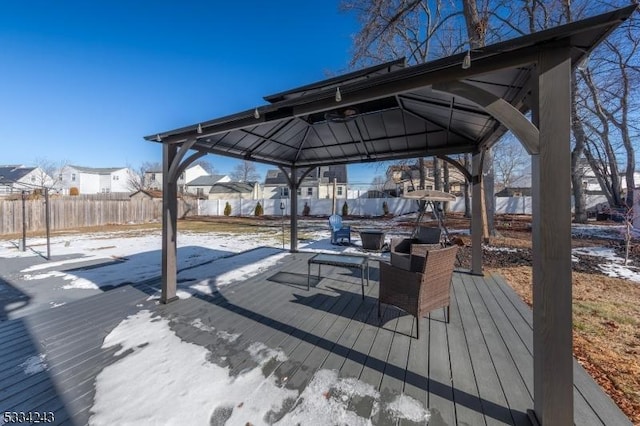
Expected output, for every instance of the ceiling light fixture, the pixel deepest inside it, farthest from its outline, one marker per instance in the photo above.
(199, 129)
(256, 113)
(466, 62)
(338, 95)
(158, 138)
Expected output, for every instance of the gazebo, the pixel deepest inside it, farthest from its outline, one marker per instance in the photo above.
(448, 106)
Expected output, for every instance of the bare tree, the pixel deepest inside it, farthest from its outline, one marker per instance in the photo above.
(139, 177)
(49, 173)
(206, 165)
(510, 159)
(377, 184)
(245, 172)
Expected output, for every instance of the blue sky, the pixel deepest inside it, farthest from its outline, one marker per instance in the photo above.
(82, 82)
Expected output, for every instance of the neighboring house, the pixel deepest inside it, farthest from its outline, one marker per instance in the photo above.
(16, 178)
(235, 191)
(406, 178)
(201, 186)
(318, 184)
(153, 178)
(94, 180)
(519, 187)
(150, 194)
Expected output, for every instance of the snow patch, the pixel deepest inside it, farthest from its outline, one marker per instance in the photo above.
(170, 381)
(34, 364)
(405, 407)
(197, 323)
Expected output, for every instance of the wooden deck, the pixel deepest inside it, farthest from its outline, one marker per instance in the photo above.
(478, 369)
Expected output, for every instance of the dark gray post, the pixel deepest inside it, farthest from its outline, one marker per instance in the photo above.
(169, 225)
(551, 176)
(47, 221)
(476, 214)
(293, 190)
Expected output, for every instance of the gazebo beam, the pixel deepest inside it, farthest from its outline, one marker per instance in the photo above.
(552, 318)
(502, 110)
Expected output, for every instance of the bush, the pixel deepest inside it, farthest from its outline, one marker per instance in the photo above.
(385, 208)
(227, 209)
(345, 209)
(306, 210)
(74, 191)
(258, 211)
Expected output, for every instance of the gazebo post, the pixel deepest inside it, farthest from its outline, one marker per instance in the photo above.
(551, 177)
(476, 213)
(169, 224)
(293, 190)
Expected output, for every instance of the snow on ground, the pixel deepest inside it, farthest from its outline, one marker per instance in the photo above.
(613, 265)
(202, 393)
(34, 364)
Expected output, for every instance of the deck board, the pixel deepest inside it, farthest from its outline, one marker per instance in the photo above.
(477, 369)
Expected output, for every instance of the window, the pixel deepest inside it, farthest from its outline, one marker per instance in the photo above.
(153, 176)
(116, 177)
(309, 191)
(339, 190)
(200, 192)
(284, 191)
(33, 178)
(73, 177)
(299, 191)
(60, 176)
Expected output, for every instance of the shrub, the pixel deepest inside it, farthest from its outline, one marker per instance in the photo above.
(259, 210)
(385, 208)
(74, 191)
(227, 209)
(345, 209)
(306, 210)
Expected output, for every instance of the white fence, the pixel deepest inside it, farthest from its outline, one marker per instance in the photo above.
(360, 206)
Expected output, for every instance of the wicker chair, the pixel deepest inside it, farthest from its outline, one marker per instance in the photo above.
(427, 238)
(424, 287)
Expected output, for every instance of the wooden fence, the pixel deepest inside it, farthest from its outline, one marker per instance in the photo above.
(67, 213)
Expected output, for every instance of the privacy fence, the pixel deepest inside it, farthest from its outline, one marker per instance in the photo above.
(72, 212)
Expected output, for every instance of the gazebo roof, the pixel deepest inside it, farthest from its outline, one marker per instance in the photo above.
(390, 111)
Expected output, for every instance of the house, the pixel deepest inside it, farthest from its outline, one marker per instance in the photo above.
(150, 194)
(235, 191)
(318, 184)
(16, 178)
(153, 178)
(519, 187)
(94, 180)
(201, 186)
(405, 178)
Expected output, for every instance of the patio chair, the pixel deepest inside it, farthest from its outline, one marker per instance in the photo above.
(425, 286)
(427, 238)
(338, 230)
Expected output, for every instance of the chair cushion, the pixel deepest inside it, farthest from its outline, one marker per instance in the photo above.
(401, 260)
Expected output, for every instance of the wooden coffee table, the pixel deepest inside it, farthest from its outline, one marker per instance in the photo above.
(347, 261)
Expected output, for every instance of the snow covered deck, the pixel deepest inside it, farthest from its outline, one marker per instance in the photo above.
(265, 350)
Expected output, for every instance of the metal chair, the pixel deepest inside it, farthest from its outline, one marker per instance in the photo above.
(338, 230)
(425, 286)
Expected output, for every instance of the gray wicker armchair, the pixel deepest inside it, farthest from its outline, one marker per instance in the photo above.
(426, 238)
(425, 286)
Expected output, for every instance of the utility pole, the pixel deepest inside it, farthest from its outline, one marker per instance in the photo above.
(23, 242)
(47, 221)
